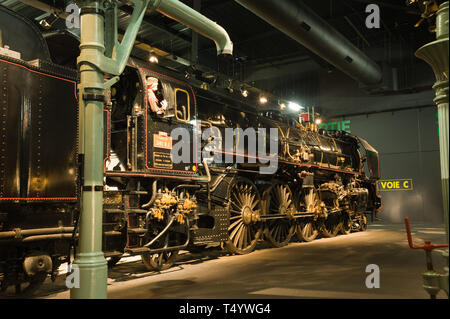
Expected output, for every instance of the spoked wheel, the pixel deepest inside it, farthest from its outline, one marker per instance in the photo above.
(308, 230)
(245, 209)
(159, 261)
(331, 226)
(279, 200)
(363, 224)
(346, 224)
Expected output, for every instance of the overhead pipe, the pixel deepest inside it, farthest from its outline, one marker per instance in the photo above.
(301, 24)
(184, 14)
(173, 9)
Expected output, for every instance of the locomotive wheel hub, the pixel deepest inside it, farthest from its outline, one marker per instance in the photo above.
(247, 214)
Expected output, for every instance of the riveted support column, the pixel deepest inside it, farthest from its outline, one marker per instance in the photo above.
(436, 55)
(90, 259)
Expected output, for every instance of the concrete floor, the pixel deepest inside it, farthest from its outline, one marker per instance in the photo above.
(324, 268)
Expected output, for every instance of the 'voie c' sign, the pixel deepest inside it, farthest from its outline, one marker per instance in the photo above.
(395, 185)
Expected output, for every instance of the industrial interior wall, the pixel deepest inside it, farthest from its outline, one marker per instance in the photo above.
(408, 144)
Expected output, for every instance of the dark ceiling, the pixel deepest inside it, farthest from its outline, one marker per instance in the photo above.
(263, 54)
(258, 43)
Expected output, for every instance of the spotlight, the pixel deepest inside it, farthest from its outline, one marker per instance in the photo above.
(282, 105)
(153, 59)
(47, 23)
(318, 121)
(244, 92)
(230, 86)
(263, 99)
(295, 107)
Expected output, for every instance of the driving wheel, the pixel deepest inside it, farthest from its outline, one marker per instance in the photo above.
(307, 229)
(279, 200)
(245, 209)
(331, 226)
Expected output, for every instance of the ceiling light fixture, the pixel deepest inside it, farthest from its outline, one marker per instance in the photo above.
(244, 92)
(47, 23)
(153, 59)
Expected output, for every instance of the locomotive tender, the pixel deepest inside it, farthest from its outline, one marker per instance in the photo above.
(324, 183)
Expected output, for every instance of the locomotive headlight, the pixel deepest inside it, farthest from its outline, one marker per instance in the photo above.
(263, 99)
(295, 107)
(318, 121)
(282, 106)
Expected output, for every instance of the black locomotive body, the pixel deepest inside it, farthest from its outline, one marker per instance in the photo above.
(325, 182)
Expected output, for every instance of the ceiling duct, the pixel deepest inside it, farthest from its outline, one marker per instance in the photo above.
(301, 24)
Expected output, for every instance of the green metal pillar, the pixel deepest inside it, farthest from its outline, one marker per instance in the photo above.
(102, 55)
(436, 55)
(93, 66)
(90, 259)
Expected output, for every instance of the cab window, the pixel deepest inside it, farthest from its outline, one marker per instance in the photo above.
(182, 105)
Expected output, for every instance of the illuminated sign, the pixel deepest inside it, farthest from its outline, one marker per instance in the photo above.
(337, 126)
(395, 185)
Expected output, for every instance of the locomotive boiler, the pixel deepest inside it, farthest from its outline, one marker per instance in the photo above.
(323, 184)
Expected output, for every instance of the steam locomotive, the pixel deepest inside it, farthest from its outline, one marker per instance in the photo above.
(323, 184)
